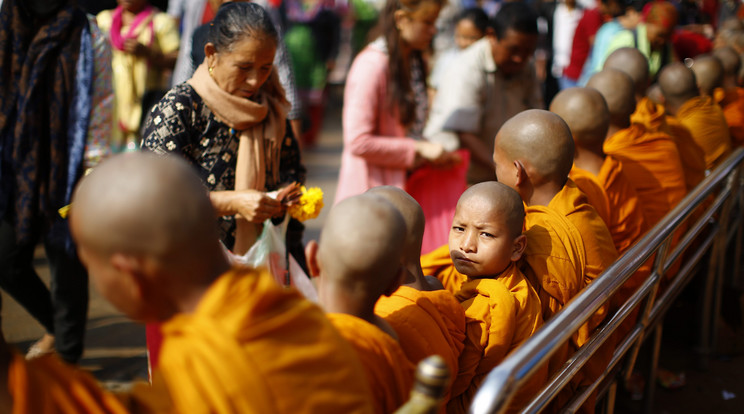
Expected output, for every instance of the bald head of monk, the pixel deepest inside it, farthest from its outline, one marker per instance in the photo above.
(486, 233)
(631, 61)
(586, 114)
(708, 71)
(655, 95)
(146, 230)
(678, 85)
(533, 154)
(617, 90)
(359, 255)
(415, 222)
(731, 65)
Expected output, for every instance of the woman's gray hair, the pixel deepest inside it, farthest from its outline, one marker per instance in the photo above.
(236, 21)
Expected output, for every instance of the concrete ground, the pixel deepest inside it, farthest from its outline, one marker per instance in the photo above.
(115, 347)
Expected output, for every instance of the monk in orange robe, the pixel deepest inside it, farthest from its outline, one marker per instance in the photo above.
(534, 152)
(587, 116)
(234, 341)
(501, 307)
(427, 318)
(650, 159)
(356, 264)
(699, 114)
(649, 112)
(731, 97)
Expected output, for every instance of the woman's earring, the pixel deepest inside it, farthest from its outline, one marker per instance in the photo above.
(211, 71)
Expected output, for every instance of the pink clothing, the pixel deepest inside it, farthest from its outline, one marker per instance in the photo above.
(376, 148)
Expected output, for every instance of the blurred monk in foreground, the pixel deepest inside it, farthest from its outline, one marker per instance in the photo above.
(231, 334)
(699, 113)
(358, 259)
(427, 318)
(650, 158)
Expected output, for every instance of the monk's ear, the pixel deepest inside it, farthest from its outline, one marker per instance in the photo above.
(520, 243)
(311, 256)
(521, 172)
(131, 272)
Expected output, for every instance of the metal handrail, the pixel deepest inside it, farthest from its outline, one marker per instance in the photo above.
(503, 381)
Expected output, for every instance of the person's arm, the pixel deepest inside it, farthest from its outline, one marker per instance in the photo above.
(479, 152)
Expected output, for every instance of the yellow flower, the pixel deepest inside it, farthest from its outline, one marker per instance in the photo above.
(64, 211)
(309, 205)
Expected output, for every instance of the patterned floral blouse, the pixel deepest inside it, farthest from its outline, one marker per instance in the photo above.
(183, 124)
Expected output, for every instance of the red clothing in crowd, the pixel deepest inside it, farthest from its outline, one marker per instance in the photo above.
(583, 40)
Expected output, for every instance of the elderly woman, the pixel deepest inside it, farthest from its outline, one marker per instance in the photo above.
(230, 121)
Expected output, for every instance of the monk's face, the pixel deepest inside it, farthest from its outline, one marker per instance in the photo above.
(479, 241)
(513, 51)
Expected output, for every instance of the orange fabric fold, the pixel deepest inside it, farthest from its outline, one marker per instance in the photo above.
(592, 188)
(389, 373)
(707, 124)
(690, 153)
(47, 385)
(501, 314)
(732, 103)
(652, 164)
(253, 346)
(438, 263)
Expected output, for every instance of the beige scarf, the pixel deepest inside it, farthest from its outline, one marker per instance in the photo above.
(261, 124)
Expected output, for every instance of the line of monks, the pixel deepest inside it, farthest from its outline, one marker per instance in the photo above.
(578, 186)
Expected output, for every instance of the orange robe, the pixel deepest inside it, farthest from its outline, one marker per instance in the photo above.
(588, 184)
(627, 224)
(732, 103)
(705, 120)
(651, 162)
(501, 314)
(427, 323)
(650, 115)
(47, 385)
(252, 346)
(388, 371)
(690, 153)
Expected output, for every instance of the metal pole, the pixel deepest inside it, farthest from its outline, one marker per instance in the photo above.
(652, 369)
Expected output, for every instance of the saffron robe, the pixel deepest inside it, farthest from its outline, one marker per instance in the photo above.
(252, 346)
(732, 103)
(438, 263)
(595, 194)
(651, 162)
(389, 373)
(47, 385)
(690, 153)
(705, 120)
(427, 323)
(502, 312)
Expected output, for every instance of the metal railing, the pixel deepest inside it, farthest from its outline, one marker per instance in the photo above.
(717, 225)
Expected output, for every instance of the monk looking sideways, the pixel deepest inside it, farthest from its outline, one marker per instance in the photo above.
(230, 334)
(350, 284)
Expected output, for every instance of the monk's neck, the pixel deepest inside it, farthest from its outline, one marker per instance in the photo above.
(188, 299)
(544, 194)
(417, 280)
(589, 160)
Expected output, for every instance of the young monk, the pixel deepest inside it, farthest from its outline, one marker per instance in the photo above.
(427, 318)
(650, 113)
(708, 71)
(357, 260)
(731, 97)
(587, 116)
(501, 307)
(650, 158)
(231, 334)
(533, 153)
(700, 114)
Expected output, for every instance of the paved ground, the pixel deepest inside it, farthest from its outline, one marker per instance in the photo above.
(115, 347)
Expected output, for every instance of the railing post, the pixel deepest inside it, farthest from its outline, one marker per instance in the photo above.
(652, 370)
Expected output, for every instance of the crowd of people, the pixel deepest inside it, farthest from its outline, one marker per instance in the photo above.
(483, 185)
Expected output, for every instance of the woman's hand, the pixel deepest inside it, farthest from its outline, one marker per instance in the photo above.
(256, 206)
(434, 154)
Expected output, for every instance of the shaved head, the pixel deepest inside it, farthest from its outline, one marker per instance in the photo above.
(633, 63)
(501, 200)
(655, 95)
(586, 114)
(731, 23)
(617, 89)
(361, 244)
(731, 63)
(678, 84)
(708, 72)
(143, 204)
(412, 214)
(540, 139)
